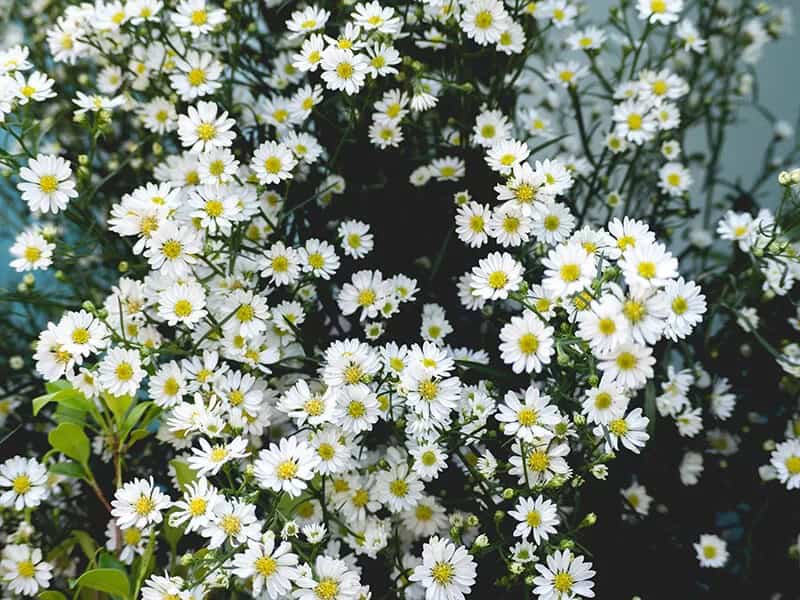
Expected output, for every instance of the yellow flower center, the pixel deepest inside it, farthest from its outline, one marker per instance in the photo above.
(658, 6)
(326, 451)
(273, 165)
(366, 297)
(32, 254)
(793, 465)
(484, 20)
(183, 308)
(48, 184)
(498, 279)
(206, 131)
(231, 524)
(124, 371)
(326, 589)
(633, 311)
(443, 573)
(528, 343)
(21, 484)
(538, 461)
(266, 566)
(398, 488)
(199, 17)
(197, 77)
(423, 512)
(634, 122)
(344, 70)
(626, 361)
(197, 507)
(646, 269)
(428, 390)
(26, 569)
(533, 518)
(606, 326)
(570, 272)
(132, 536)
(709, 551)
(602, 400)
(562, 582)
(171, 249)
(674, 179)
(618, 427)
(144, 505)
(287, 469)
(679, 305)
(527, 417)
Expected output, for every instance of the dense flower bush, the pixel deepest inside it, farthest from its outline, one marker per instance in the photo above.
(336, 301)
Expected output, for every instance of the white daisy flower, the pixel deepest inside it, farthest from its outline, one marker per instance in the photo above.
(447, 570)
(139, 503)
(286, 466)
(538, 518)
(47, 184)
(712, 551)
(564, 576)
(23, 482)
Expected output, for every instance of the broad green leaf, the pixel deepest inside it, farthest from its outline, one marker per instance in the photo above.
(136, 435)
(183, 473)
(50, 595)
(171, 534)
(69, 439)
(57, 386)
(69, 397)
(109, 561)
(134, 415)
(110, 581)
(119, 405)
(69, 469)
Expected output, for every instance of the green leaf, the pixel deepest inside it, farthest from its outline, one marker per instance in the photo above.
(69, 397)
(56, 386)
(109, 561)
(134, 415)
(136, 435)
(69, 439)
(69, 469)
(183, 473)
(119, 405)
(171, 534)
(110, 581)
(52, 596)
(86, 542)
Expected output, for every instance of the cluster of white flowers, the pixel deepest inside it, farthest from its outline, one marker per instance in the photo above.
(273, 424)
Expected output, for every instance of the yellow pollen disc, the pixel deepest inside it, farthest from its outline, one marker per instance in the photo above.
(80, 335)
(344, 70)
(27, 90)
(32, 254)
(488, 131)
(505, 39)
(360, 498)
(353, 374)
(511, 224)
(602, 400)
(551, 222)
(327, 589)
(618, 427)
(196, 77)
(566, 76)
(634, 122)
(679, 305)
(606, 326)
(660, 87)
(709, 551)
(570, 272)
(674, 179)
(144, 505)
(245, 313)
(273, 165)
(171, 249)
(626, 361)
(538, 461)
(286, 470)
(183, 308)
(476, 223)
(524, 193)
(356, 409)
(21, 484)
(633, 311)
(314, 407)
(197, 507)
(423, 513)
(625, 242)
(528, 343)
(326, 451)
(658, 6)
(124, 371)
(398, 488)
(48, 184)
(443, 573)
(498, 279)
(219, 454)
(26, 569)
(646, 269)
(428, 390)
(231, 524)
(131, 536)
(533, 518)
(366, 297)
(266, 566)
(206, 131)
(527, 417)
(793, 465)
(428, 458)
(483, 19)
(199, 17)
(562, 582)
